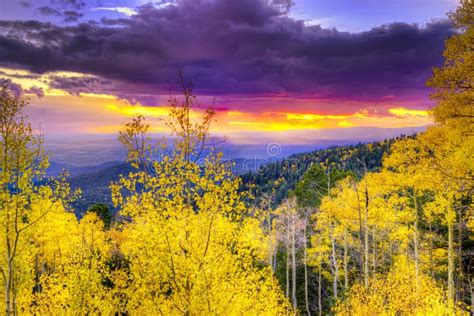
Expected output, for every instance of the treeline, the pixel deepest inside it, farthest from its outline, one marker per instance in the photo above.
(280, 177)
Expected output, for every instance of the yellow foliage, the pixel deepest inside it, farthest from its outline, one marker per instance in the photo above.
(202, 264)
(190, 244)
(397, 293)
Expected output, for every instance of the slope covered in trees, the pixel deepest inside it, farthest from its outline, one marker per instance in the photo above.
(281, 177)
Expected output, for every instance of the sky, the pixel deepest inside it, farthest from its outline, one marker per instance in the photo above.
(275, 70)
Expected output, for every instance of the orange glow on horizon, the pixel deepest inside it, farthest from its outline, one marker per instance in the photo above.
(404, 112)
(104, 113)
(134, 110)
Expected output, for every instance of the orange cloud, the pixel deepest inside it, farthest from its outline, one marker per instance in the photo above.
(104, 114)
(134, 110)
(312, 117)
(404, 112)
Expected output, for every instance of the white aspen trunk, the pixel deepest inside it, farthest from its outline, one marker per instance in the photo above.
(305, 271)
(287, 272)
(275, 248)
(9, 272)
(335, 268)
(460, 278)
(416, 243)
(10, 293)
(361, 241)
(272, 243)
(293, 265)
(366, 224)
(8, 285)
(366, 239)
(374, 252)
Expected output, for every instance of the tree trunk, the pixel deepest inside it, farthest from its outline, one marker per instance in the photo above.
(288, 258)
(335, 269)
(361, 241)
(8, 288)
(346, 272)
(275, 257)
(305, 271)
(272, 243)
(431, 250)
(374, 252)
(460, 292)
(366, 239)
(14, 307)
(471, 285)
(293, 265)
(275, 248)
(416, 242)
(450, 262)
(320, 301)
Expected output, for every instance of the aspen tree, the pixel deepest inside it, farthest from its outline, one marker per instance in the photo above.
(22, 161)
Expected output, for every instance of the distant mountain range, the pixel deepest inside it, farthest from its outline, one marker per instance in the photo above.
(94, 181)
(90, 151)
(57, 168)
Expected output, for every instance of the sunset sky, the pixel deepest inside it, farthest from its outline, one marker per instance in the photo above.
(338, 69)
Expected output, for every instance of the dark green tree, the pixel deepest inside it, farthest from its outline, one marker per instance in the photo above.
(104, 213)
(316, 183)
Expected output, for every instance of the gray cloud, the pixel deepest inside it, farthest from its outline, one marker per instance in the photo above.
(48, 11)
(69, 15)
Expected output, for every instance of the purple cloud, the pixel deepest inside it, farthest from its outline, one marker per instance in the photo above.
(35, 91)
(91, 84)
(18, 91)
(231, 47)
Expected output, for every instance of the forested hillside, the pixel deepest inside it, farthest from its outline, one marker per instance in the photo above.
(95, 186)
(281, 176)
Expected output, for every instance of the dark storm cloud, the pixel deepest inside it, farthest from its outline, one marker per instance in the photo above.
(143, 94)
(77, 85)
(231, 46)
